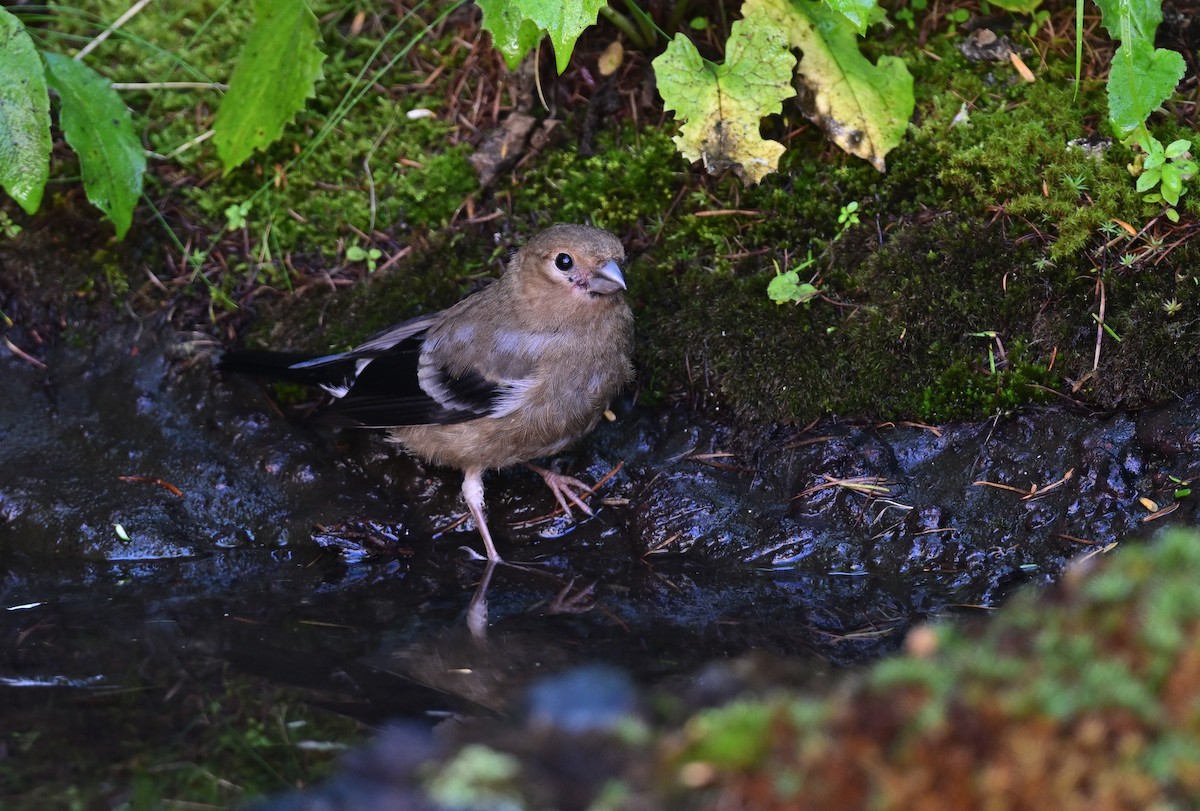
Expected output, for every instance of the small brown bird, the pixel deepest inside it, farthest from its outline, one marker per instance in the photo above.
(516, 371)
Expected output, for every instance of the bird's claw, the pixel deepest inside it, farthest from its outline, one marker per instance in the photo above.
(567, 490)
(573, 602)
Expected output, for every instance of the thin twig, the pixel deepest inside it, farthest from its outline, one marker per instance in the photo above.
(107, 32)
(22, 354)
(169, 86)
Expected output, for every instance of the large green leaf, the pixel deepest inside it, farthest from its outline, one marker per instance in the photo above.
(863, 108)
(98, 126)
(24, 116)
(513, 33)
(722, 105)
(277, 69)
(1141, 77)
(517, 25)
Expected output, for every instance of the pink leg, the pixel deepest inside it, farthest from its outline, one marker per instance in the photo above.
(472, 491)
(564, 489)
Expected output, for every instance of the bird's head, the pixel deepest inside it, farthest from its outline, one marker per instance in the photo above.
(584, 261)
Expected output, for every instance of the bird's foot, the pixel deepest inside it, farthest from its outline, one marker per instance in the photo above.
(569, 601)
(567, 490)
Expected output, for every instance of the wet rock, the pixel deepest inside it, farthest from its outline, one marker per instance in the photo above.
(326, 562)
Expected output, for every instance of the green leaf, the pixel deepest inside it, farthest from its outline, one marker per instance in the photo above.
(24, 116)
(1172, 184)
(513, 34)
(787, 288)
(98, 126)
(516, 26)
(1177, 148)
(1148, 179)
(721, 105)
(863, 108)
(781, 289)
(858, 12)
(1141, 77)
(1018, 6)
(276, 71)
(564, 22)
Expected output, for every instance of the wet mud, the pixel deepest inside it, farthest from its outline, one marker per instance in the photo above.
(159, 522)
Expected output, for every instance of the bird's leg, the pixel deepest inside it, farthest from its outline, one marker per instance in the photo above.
(477, 610)
(564, 489)
(472, 491)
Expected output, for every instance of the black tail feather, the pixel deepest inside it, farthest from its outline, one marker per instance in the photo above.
(279, 366)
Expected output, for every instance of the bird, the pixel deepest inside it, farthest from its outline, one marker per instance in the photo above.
(517, 371)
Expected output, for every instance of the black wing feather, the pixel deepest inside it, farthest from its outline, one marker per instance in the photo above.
(387, 392)
(381, 378)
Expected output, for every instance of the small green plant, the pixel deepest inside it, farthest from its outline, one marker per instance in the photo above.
(1172, 307)
(1163, 171)
(787, 288)
(994, 338)
(1076, 183)
(1111, 229)
(7, 227)
(356, 253)
(847, 219)
(235, 215)
(957, 17)
(906, 15)
(1036, 22)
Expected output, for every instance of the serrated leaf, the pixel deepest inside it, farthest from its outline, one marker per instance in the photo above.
(98, 126)
(1141, 77)
(722, 105)
(517, 25)
(564, 22)
(863, 108)
(276, 72)
(24, 116)
(513, 34)
(858, 12)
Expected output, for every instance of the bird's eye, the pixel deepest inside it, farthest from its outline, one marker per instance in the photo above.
(564, 261)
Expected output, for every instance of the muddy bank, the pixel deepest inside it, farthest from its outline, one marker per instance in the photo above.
(164, 523)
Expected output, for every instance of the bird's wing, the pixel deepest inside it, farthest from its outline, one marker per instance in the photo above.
(393, 378)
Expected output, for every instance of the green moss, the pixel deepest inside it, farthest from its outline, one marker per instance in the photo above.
(229, 739)
(444, 269)
(629, 182)
(967, 389)
(906, 310)
(429, 195)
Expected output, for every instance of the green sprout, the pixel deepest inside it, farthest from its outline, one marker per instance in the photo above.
(1076, 183)
(369, 255)
(1163, 171)
(7, 227)
(235, 215)
(847, 218)
(787, 288)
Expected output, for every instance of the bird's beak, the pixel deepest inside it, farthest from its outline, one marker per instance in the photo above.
(607, 279)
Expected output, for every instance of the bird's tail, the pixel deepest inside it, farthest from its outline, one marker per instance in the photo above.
(282, 366)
